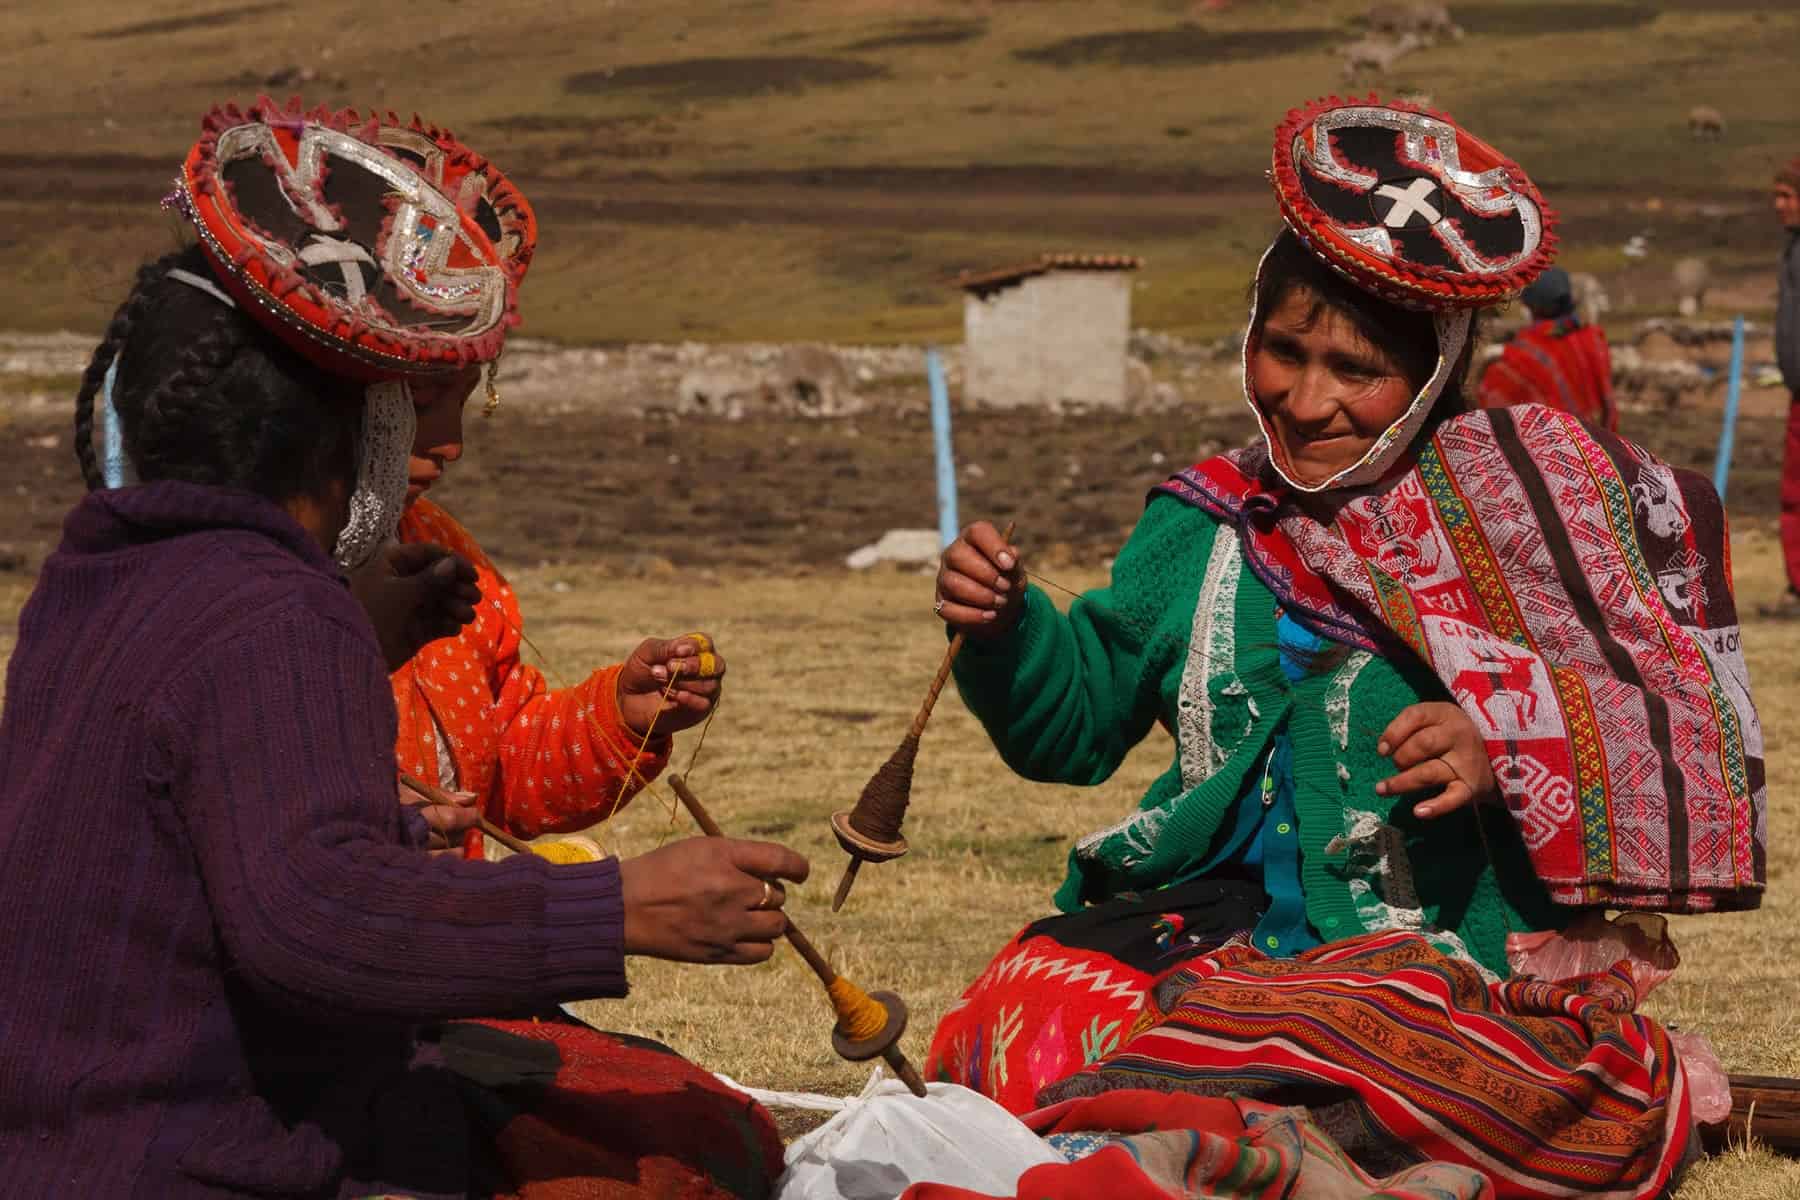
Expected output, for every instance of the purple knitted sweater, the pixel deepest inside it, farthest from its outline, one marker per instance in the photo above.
(216, 936)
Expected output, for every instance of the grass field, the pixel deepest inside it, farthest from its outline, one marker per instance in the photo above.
(816, 169)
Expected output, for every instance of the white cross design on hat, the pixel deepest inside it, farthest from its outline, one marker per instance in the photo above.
(1407, 201)
(321, 250)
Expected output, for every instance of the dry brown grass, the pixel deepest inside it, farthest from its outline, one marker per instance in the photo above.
(825, 671)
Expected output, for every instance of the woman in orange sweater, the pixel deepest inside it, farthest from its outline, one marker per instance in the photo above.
(474, 718)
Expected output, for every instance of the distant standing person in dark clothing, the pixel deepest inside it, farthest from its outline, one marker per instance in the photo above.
(1787, 355)
(1558, 360)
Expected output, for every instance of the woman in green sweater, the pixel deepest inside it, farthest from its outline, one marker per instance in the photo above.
(1451, 672)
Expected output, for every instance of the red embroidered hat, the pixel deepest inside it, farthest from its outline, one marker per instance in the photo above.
(376, 249)
(1409, 206)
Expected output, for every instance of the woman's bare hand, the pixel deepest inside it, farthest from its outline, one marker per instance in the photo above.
(708, 900)
(1436, 745)
(698, 670)
(980, 583)
(447, 822)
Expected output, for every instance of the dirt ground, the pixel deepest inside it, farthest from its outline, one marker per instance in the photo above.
(793, 494)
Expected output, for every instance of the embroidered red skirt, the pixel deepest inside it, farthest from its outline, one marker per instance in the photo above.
(1064, 993)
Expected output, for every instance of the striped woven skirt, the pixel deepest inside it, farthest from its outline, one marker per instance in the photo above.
(1403, 1055)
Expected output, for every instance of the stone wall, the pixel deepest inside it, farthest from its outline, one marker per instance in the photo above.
(1051, 340)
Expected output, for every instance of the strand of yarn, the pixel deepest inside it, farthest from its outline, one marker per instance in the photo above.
(674, 811)
(637, 755)
(859, 1015)
(543, 659)
(705, 725)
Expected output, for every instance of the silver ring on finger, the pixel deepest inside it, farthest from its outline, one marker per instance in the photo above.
(937, 607)
(768, 897)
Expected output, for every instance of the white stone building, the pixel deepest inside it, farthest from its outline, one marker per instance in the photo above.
(1047, 333)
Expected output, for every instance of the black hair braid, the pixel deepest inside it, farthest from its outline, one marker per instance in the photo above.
(207, 396)
(175, 402)
(111, 347)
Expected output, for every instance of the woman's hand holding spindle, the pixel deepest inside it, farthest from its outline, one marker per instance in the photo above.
(1436, 745)
(698, 670)
(980, 583)
(445, 824)
(708, 900)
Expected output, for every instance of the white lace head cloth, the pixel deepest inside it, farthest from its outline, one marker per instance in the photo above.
(381, 251)
(1407, 206)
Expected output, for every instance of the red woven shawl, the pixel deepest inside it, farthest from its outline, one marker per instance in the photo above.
(1574, 595)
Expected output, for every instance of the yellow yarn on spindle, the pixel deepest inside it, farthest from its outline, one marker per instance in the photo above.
(568, 850)
(860, 1016)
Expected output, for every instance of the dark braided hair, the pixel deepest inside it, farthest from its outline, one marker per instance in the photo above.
(118, 330)
(206, 395)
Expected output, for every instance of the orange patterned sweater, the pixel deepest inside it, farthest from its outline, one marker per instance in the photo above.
(542, 760)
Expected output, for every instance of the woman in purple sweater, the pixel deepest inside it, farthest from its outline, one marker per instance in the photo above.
(222, 934)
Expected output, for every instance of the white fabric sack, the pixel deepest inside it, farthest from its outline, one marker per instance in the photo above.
(887, 1139)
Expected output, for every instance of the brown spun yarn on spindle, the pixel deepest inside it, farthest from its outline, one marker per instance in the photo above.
(882, 806)
(871, 830)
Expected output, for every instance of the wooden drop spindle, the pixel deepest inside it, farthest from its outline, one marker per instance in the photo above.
(883, 1012)
(870, 832)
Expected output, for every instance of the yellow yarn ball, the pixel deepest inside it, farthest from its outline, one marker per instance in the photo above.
(860, 1015)
(568, 850)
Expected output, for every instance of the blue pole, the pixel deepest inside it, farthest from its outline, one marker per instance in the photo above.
(940, 434)
(1722, 464)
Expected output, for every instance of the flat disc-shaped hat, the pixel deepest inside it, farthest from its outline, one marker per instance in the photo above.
(347, 245)
(1409, 206)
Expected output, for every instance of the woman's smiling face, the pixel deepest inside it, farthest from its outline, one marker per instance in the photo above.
(1327, 391)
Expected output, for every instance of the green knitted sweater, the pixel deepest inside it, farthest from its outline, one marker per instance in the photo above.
(1185, 635)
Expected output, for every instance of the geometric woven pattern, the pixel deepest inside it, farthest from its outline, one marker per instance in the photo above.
(1404, 1055)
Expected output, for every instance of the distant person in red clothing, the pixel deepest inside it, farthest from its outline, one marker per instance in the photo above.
(1558, 360)
(1787, 356)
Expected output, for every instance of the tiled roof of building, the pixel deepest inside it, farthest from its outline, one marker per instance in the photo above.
(989, 281)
